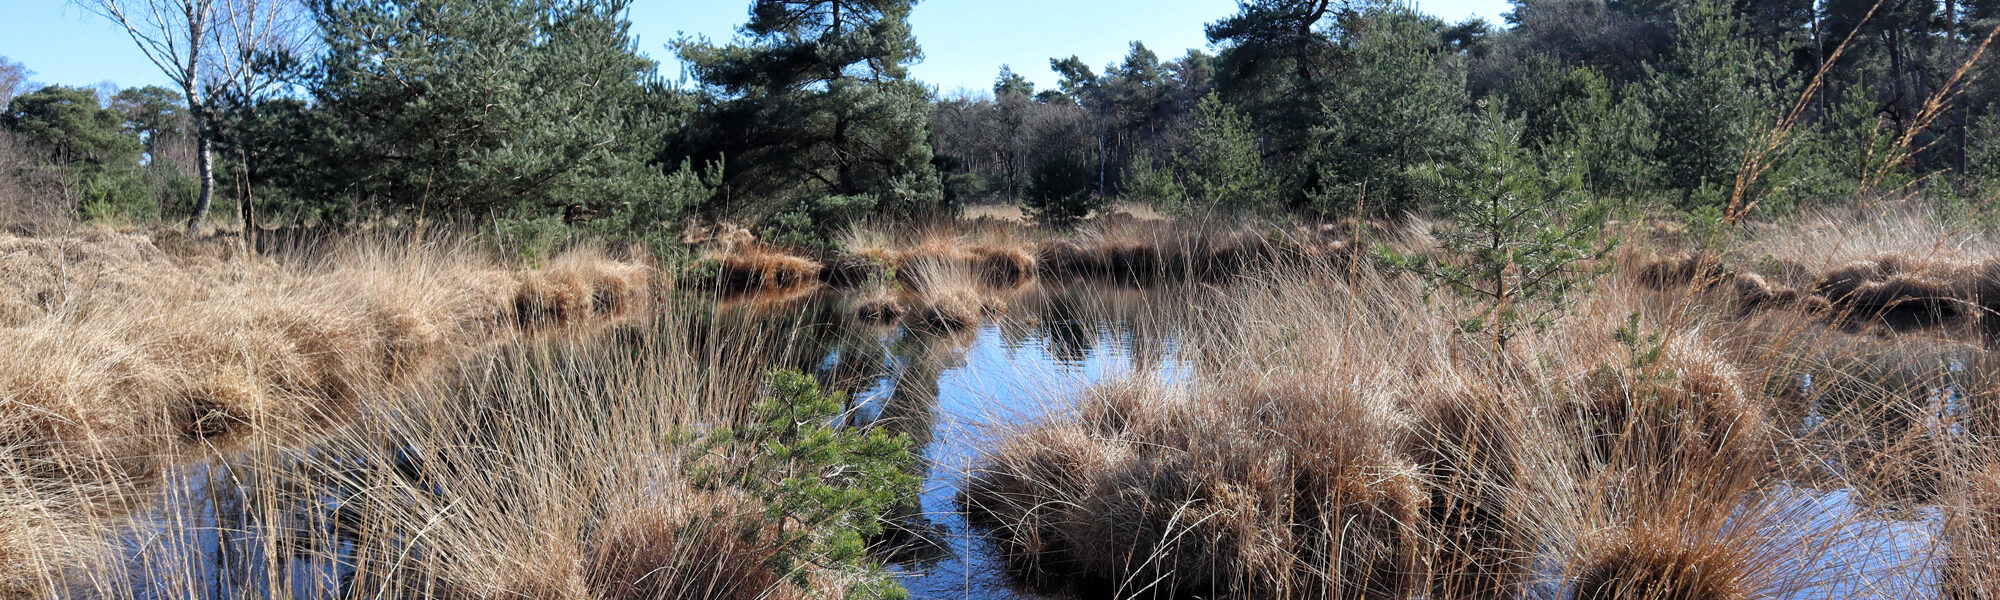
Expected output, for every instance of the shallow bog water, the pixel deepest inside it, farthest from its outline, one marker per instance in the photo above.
(956, 393)
(956, 403)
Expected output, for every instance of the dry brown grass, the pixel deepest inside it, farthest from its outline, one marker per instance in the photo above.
(1337, 439)
(549, 470)
(1333, 437)
(1897, 272)
(759, 269)
(1472, 462)
(1657, 561)
(1156, 490)
(949, 295)
(879, 307)
(133, 363)
(1006, 256)
(1283, 481)
(694, 549)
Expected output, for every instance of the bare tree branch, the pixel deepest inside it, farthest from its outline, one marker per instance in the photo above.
(204, 46)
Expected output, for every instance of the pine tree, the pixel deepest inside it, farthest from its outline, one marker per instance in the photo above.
(1011, 83)
(1573, 109)
(1401, 105)
(465, 107)
(72, 127)
(91, 158)
(1275, 61)
(1709, 100)
(157, 114)
(1984, 156)
(815, 110)
(1150, 182)
(1518, 235)
(1059, 189)
(1223, 169)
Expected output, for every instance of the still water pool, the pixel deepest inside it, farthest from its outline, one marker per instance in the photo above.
(957, 394)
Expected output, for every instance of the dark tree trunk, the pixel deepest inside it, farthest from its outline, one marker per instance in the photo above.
(204, 158)
(246, 205)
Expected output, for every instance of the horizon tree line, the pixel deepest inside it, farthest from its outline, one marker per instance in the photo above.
(542, 116)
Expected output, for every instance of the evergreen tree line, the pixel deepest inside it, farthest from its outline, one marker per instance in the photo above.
(541, 115)
(98, 154)
(1335, 108)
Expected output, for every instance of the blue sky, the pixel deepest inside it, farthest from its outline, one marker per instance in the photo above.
(964, 41)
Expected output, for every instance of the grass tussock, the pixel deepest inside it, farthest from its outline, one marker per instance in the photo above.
(1158, 491)
(1971, 566)
(1654, 561)
(1283, 482)
(1465, 445)
(755, 269)
(1338, 438)
(135, 363)
(879, 307)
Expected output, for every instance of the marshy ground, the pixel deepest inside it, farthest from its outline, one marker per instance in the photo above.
(1136, 409)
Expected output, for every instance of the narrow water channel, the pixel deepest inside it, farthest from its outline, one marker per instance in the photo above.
(972, 394)
(954, 393)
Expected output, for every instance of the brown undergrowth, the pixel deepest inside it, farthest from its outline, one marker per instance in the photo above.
(947, 275)
(1335, 437)
(1894, 273)
(1008, 256)
(553, 468)
(133, 356)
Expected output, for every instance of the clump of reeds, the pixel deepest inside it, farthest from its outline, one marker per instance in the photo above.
(1287, 487)
(80, 409)
(1002, 266)
(1339, 438)
(880, 307)
(948, 311)
(998, 258)
(1468, 446)
(948, 295)
(754, 269)
(1971, 567)
(1748, 291)
(1658, 561)
(1695, 269)
(579, 288)
(693, 546)
(116, 386)
(1684, 409)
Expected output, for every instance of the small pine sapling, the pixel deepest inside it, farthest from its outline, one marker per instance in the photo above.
(824, 486)
(1520, 238)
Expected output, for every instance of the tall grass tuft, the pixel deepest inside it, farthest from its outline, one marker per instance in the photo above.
(1336, 436)
(370, 418)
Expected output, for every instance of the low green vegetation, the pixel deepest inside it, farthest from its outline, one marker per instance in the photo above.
(1520, 237)
(825, 486)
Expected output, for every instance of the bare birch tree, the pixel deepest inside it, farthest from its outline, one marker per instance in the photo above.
(252, 31)
(200, 45)
(13, 80)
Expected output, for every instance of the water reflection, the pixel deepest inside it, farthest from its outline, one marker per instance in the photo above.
(950, 392)
(953, 392)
